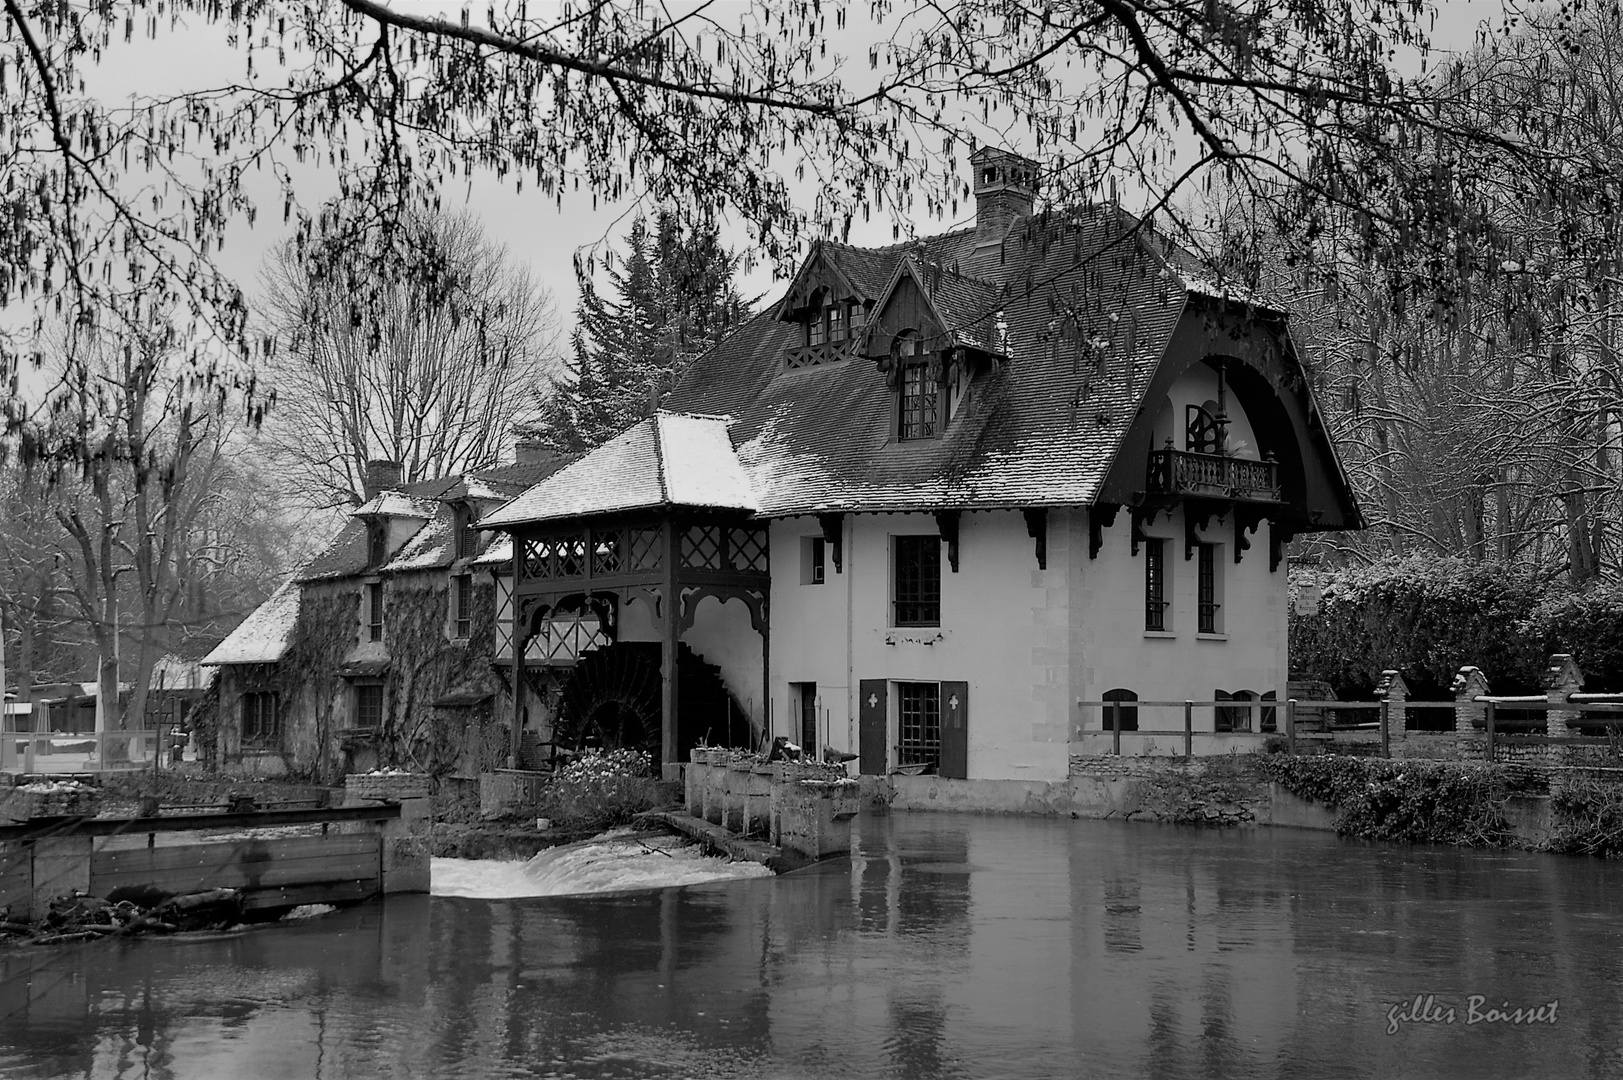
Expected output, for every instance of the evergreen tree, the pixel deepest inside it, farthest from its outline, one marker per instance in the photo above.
(672, 298)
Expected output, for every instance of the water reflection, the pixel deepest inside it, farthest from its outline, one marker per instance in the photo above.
(946, 946)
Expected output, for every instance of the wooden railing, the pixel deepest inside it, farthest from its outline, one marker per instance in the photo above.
(828, 352)
(1183, 472)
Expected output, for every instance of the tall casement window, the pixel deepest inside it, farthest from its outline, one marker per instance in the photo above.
(374, 611)
(1155, 585)
(917, 419)
(369, 705)
(467, 537)
(1206, 605)
(916, 580)
(462, 606)
(918, 719)
(813, 551)
(377, 539)
(261, 718)
(836, 324)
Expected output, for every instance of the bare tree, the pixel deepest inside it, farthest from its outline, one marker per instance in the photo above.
(423, 347)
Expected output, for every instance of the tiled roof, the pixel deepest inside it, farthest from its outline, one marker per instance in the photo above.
(1085, 318)
(263, 636)
(668, 459)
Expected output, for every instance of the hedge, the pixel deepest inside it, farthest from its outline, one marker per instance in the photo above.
(1428, 616)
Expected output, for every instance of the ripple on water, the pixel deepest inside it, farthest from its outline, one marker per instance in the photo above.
(613, 862)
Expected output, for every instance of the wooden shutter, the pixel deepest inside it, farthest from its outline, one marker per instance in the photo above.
(955, 730)
(874, 731)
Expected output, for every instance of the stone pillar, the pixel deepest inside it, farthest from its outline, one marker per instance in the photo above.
(1469, 685)
(814, 816)
(693, 782)
(1562, 679)
(1395, 692)
(757, 801)
(737, 790)
(406, 865)
(61, 865)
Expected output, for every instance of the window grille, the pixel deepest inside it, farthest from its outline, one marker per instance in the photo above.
(374, 611)
(1155, 585)
(919, 724)
(369, 705)
(918, 580)
(261, 718)
(918, 418)
(463, 590)
(1206, 600)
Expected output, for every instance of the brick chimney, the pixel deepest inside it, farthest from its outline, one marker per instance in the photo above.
(1005, 191)
(530, 452)
(382, 475)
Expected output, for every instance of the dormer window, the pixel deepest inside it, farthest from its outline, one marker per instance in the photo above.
(917, 418)
(828, 329)
(467, 537)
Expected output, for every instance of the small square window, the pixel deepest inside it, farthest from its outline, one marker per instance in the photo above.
(261, 718)
(916, 580)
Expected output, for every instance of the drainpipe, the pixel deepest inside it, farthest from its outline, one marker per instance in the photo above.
(849, 570)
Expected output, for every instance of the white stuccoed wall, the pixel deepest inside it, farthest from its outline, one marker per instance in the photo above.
(1116, 651)
(1005, 629)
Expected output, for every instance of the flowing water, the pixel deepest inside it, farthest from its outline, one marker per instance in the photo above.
(947, 946)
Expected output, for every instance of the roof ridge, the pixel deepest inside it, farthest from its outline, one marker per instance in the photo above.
(659, 461)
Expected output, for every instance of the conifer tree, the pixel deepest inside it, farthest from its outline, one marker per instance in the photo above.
(671, 299)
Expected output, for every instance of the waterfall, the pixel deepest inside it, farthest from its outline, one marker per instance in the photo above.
(613, 862)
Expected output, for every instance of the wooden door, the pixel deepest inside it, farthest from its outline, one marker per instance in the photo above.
(955, 730)
(873, 733)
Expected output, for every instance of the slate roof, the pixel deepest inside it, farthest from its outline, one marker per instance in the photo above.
(1087, 308)
(668, 459)
(432, 545)
(263, 636)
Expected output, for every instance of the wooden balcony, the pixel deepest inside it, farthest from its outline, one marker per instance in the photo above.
(828, 352)
(1182, 472)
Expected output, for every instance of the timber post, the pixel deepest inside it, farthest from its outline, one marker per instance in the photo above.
(1290, 725)
(670, 768)
(1115, 728)
(1188, 730)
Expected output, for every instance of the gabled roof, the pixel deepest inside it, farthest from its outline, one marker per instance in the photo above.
(967, 309)
(1088, 305)
(395, 504)
(263, 636)
(668, 459)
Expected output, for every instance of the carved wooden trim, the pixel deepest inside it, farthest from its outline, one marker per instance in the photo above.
(1101, 516)
(1037, 529)
(754, 599)
(833, 526)
(1246, 520)
(946, 523)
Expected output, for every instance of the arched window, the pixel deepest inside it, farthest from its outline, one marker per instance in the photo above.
(1234, 717)
(1129, 713)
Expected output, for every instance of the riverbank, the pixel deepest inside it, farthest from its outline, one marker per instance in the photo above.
(1565, 810)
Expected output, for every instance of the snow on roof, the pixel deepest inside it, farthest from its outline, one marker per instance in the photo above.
(174, 673)
(430, 547)
(263, 636)
(395, 504)
(500, 551)
(669, 459)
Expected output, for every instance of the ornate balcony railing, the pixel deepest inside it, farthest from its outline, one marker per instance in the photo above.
(1182, 472)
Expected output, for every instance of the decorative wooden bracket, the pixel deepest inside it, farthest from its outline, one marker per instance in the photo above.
(1278, 536)
(834, 536)
(1142, 516)
(1245, 520)
(1195, 518)
(1101, 516)
(946, 522)
(1037, 529)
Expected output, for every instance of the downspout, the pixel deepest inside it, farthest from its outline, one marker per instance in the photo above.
(849, 570)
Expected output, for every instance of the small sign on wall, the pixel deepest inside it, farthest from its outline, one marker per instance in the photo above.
(1307, 598)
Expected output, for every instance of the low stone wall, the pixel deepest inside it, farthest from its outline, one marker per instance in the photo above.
(806, 808)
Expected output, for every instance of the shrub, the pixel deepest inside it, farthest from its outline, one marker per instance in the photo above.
(1425, 616)
(601, 789)
(1589, 625)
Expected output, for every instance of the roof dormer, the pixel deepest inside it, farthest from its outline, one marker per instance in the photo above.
(829, 311)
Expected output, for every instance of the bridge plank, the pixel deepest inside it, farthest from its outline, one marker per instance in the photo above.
(249, 864)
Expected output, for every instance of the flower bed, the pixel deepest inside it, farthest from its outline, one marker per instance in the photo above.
(52, 798)
(390, 785)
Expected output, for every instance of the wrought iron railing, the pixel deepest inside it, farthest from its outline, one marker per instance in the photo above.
(1183, 472)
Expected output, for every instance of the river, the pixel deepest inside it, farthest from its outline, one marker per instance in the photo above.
(947, 946)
